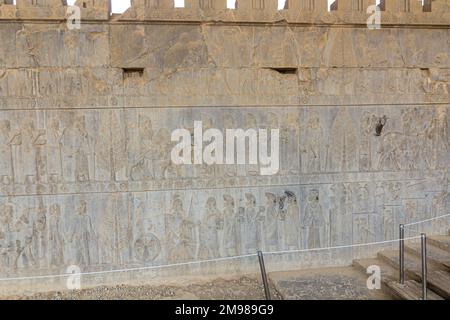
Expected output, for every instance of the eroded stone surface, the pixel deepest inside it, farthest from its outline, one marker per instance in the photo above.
(325, 284)
(86, 117)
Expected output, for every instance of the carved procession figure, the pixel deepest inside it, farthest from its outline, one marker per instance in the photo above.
(55, 237)
(230, 231)
(272, 221)
(343, 143)
(367, 131)
(341, 214)
(252, 224)
(6, 245)
(82, 236)
(251, 123)
(40, 233)
(29, 159)
(6, 165)
(180, 237)
(23, 230)
(292, 221)
(229, 123)
(438, 134)
(312, 149)
(143, 169)
(209, 230)
(76, 143)
(314, 222)
(54, 150)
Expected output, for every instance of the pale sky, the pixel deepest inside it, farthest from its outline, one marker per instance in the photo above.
(118, 6)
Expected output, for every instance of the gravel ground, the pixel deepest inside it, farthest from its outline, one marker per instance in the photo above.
(238, 289)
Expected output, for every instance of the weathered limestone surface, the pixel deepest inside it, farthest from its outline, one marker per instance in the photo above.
(86, 117)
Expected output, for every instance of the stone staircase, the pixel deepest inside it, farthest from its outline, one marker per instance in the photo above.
(438, 253)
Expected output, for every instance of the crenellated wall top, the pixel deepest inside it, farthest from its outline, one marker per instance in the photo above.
(407, 12)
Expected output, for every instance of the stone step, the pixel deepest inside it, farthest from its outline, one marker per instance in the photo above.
(388, 274)
(435, 255)
(411, 290)
(440, 282)
(413, 269)
(413, 265)
(442, 242)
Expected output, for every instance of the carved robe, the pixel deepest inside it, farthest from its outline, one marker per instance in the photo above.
(292, 225)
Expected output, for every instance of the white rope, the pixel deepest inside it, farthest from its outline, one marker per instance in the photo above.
(220, 259)
(427, 220)
(130, 269)
(342, 247)
(195, 262)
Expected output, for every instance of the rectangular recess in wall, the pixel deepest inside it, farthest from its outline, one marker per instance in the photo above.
(132, 72)
(285, 70)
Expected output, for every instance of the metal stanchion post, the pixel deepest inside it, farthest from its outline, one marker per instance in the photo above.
(402, 254)
(264, 275)
(423, 238)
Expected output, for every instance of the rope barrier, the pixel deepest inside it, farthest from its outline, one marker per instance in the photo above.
(195, 262)
(220, 259)
(130, 269)
(427, 220)
(341, 247)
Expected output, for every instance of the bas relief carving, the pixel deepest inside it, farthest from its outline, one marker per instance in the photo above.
(86, 176)
(348, 175)
(189, 65)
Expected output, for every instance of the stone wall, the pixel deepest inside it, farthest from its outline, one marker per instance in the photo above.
(86, 117)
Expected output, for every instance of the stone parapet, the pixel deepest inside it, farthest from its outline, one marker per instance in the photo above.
(395, 12)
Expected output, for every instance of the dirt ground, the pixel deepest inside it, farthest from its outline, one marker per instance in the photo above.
(220, 289)
(345, 283)
(317, 284)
